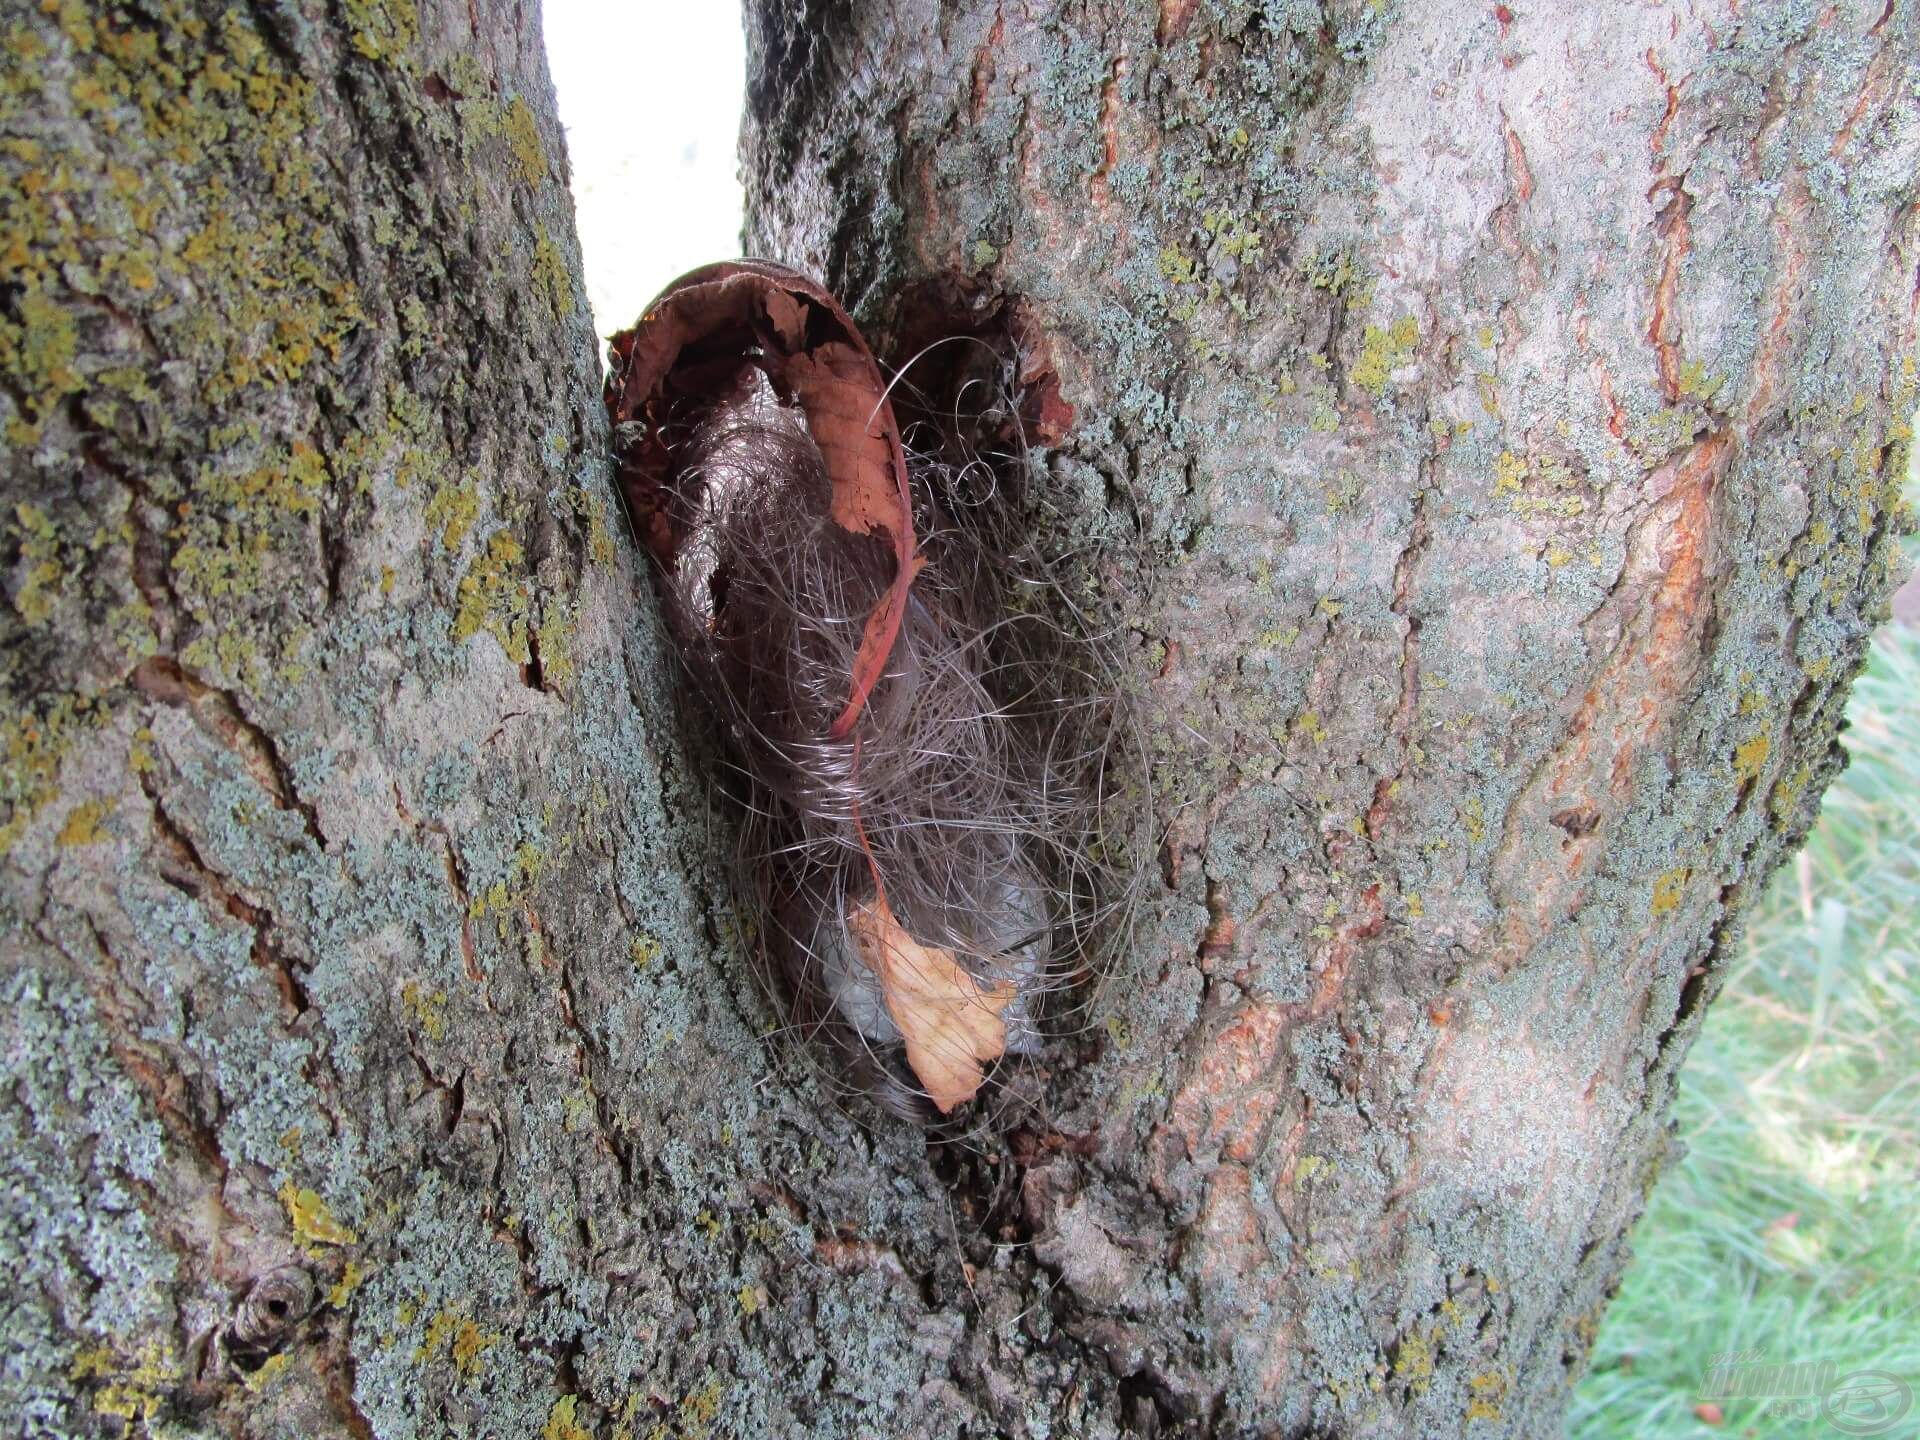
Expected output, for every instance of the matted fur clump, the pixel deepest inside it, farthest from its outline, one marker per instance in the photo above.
(923, 734)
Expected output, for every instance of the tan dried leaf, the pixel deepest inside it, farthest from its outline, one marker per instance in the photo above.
(950, 1022)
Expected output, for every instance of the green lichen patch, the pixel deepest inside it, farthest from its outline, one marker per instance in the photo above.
(42, 566)
(38, 351)
(599, 536)
(523, 138)
(312, 1220)
(495, 596)
(555, 636)
(1382, 351)
(428, 1008)
(235, 520)
(82, 825)
(1336, 271)
(1669, 889)
(552, 277)
(452, 509)
(1176, 266)
(33, 742)
(451, 1330)
(1750, 757)
(383, 29)
(561, 1422)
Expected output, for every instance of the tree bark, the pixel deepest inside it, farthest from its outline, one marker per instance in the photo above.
(1496, 419)
(1501, 487)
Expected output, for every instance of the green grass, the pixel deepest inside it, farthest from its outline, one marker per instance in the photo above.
(1791, 1227)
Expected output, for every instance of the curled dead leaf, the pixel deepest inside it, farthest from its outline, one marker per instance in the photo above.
(951, 1023)
(698, 341)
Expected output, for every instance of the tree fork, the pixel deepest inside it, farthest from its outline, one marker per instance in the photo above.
(1502, 488)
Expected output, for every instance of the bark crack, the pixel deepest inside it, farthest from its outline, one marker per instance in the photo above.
(201, 879)
(163, 679)
(456, 882)
(1672, 205)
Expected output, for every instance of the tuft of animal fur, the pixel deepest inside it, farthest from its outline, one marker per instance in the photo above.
(973, 795)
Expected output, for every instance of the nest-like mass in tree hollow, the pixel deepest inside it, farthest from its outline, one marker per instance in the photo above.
(923, 739)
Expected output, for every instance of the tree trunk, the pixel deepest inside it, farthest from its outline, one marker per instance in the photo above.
(1500, 487)
(1497, 420)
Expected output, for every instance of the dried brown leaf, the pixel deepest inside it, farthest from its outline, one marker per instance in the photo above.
(950, 1022)
(694, 341)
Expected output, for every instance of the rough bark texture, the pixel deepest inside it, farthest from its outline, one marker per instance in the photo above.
(347, 924)
(1490, 424)
(1501, 415)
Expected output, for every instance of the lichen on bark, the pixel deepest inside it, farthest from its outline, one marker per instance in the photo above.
(1500, 512)
(1507, 413)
